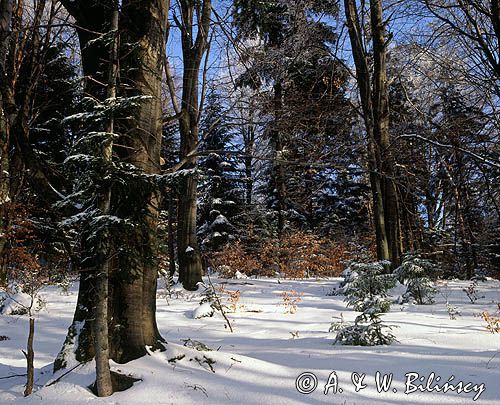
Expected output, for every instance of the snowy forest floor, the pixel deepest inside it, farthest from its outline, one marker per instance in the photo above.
(269, 349)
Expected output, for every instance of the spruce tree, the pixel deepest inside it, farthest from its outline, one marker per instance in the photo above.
(220, 192)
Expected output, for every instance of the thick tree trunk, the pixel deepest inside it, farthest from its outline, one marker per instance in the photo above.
(92, 19)
(132, 279)
(144, 26)
(188, 253)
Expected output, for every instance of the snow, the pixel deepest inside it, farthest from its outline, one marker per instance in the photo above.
(239, 275)
(16, 303)
(397, 292)
(260, 362)
(204, 310)
(220, 220)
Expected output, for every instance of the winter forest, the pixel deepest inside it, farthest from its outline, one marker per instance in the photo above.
(250, 201)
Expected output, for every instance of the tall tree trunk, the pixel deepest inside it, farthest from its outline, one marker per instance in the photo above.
(188, 253)
(103, 384)
(375, 105)
(193, 50)
(380, 100)
(364, 81)
(278, 167)
(144, 26)
(132, 279)
(7, 109)
(171, 236)
(92, 19)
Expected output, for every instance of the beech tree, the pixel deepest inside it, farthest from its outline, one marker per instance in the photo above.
(133, 274)
(373, 92)
(194, 25)
(475, 26)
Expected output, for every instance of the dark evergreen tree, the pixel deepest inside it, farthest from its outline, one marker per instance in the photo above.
(221, 194)
(57, 93)
(307, 107)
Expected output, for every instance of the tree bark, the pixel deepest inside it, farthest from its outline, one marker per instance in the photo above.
(171, 237)
(132, 278)
(30, 357)
(375, 106)
(103, 384)
(193, 50)
(7, 108)
(380, 99)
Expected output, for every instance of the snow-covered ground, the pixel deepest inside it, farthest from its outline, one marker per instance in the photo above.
(259, 363)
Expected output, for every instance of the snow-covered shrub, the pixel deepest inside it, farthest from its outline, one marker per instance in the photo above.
(417, 274)
(366, 289)
(212, 300)
(367, 330)
(349, 275)
(203, 311)
(367, 286)
(209, 296)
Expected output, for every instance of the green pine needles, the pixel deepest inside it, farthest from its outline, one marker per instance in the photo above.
(366, 289)
(417, 274)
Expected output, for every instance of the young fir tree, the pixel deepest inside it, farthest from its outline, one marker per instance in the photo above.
(366, 290)
(417, 274)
